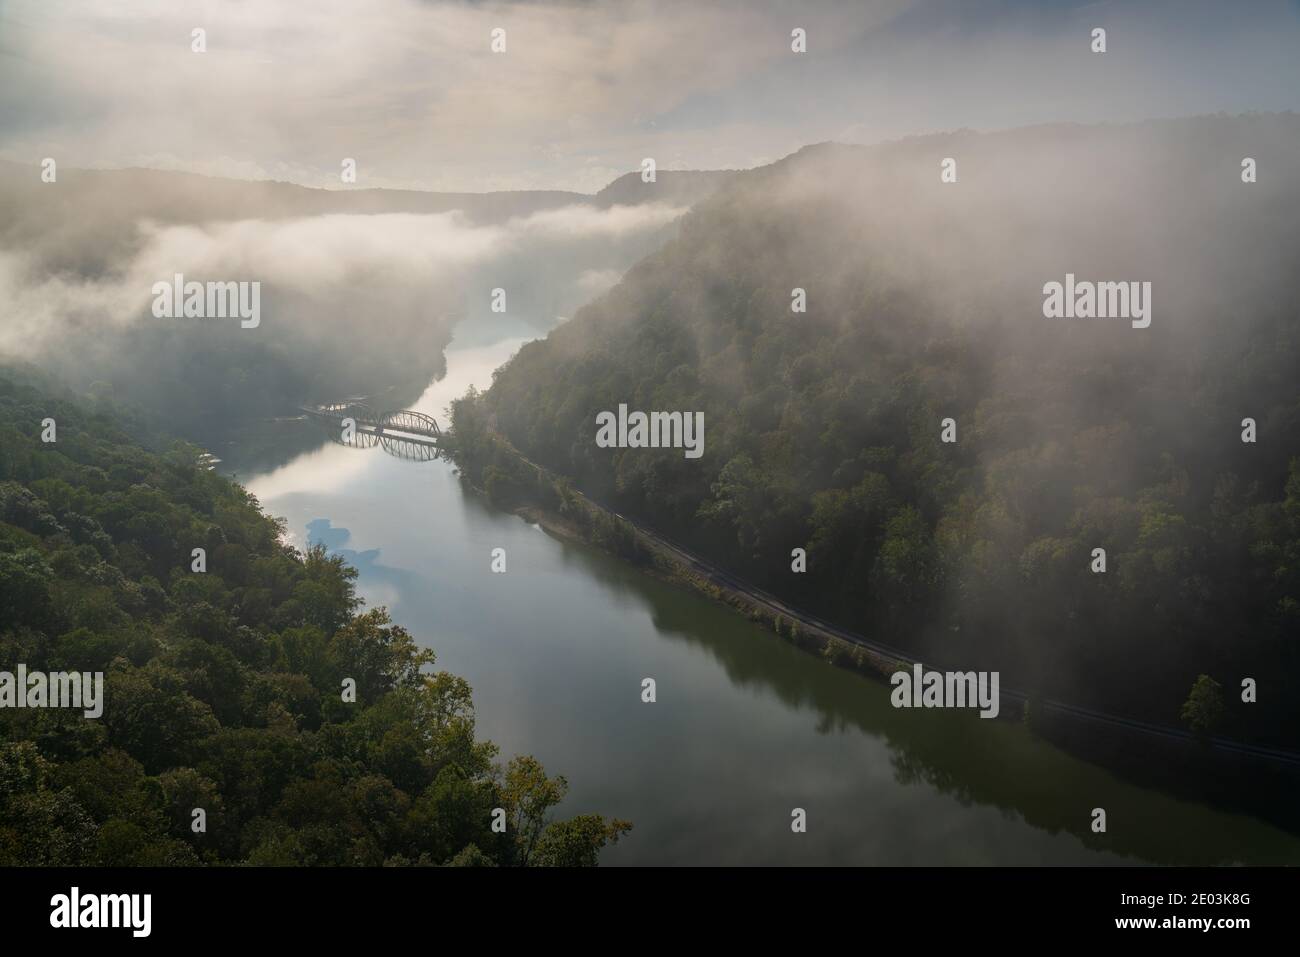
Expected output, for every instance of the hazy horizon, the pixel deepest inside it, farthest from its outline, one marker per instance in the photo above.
(632, 172)
(583, 92)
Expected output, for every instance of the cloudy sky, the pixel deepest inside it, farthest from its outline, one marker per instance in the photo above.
(413, 92)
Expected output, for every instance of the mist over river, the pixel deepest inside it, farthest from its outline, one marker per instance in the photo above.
(745, 728)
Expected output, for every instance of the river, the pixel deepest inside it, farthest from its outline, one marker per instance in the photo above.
(745, 727)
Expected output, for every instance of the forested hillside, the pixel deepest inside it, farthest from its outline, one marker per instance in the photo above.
(925, 302)
(224, 689)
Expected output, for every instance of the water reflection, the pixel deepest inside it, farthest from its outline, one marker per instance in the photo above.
(400, 447)
(746, 727)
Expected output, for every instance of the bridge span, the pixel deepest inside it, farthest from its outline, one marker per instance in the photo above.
(401, 432)
(400, 420)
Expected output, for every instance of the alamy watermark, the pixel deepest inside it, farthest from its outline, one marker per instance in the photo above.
(919, 688)
(1098, 300)
(74, 909)
(651, 430)
(179, 299)
(56, 689)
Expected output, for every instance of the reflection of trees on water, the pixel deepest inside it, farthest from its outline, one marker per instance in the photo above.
(976, 762)
(911, 769)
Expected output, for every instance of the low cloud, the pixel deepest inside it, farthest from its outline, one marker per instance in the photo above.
(596, 281)
(324, 260)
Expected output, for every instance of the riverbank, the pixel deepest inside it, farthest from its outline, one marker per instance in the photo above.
(489, 463)
(1216, 771)
(669, 563)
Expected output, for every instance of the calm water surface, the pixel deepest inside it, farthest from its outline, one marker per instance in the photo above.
(745, 727)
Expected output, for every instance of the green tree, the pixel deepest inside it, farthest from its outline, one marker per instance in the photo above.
(578, 841)
(1203, 710)
(528, 795)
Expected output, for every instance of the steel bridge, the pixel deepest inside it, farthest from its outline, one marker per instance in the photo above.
(402, 432)
(402, 420)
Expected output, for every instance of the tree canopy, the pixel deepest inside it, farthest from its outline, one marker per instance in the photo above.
(224, 690)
